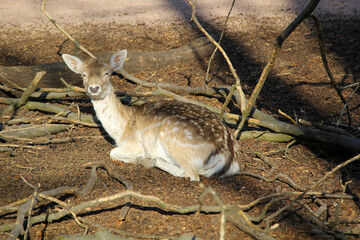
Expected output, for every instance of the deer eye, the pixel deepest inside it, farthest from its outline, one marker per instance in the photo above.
(83, 76)
(107, 74)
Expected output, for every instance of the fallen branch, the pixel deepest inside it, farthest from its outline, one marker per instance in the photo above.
(232, 213)
(235, 216)
(123, 181)
(338, 167)
(78, 45)
(281, 177)
(136, 62)
(25, 209)
(218, 43)
(341, 141)
(26, 131)
(345, 142)
(66, 206)
(237, 84)
(208, 91)
(20, 146)
(327, 68)
(17, 228)
(277, 47)
(25, 96)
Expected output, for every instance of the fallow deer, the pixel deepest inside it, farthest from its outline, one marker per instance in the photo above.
(180, 138)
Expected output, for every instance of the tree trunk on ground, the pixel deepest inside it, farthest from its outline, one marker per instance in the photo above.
(200, 48)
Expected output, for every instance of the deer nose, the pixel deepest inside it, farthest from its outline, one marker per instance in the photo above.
(94, 89)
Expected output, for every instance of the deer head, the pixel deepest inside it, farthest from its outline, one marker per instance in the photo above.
(96, 73)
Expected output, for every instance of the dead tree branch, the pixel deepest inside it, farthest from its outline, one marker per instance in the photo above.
(216, 49)
(27, 131)
(281, 177)
(338, 167)
(327, 68)
(78, 45)
(277, 47)
(25, 96)
(17, 228)
(346, 142)
(233, 71)
(230, 213)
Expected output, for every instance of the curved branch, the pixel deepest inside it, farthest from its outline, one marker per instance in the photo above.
(327, 68)
(277, 213)
(78, 45)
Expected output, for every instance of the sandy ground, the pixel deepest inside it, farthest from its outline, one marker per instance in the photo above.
(24, 12)
(298, 85)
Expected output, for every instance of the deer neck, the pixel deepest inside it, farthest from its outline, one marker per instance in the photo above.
(113, 115)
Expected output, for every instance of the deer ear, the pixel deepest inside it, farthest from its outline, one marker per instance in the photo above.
(117, 60)
(74, 63)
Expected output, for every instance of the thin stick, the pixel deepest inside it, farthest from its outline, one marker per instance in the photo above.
(272, 216)
(28, 91)
(347, 103)
(20, 146)
(327, 68)
(287, 116)
(130, 234)
(277, 47)
(210, 91)
(32, 204)
(281, 177)
(77, 44)
(237, 79)
(67, 207)
(221, 36)
(210, 190)
(123, 181)
(11, 83)
(227, 100)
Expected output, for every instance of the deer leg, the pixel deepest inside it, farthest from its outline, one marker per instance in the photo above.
(169, 167)
(126, 152)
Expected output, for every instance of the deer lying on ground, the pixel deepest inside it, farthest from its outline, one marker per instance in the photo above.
(182, 139)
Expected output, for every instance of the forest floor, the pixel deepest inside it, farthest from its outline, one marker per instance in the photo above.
(298, 86)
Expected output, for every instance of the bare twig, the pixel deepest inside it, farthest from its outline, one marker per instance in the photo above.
(287, 116)
(20, 146)
(26, 208)
(209, 190)
(32, 204)
(277, 213)
(11, 83)
(77, 44)
(307, 195)
(87, 205)
(123, 181)
(327, 68)
(130, 234)
(233, 71)
(268, 162)
(221, 36)
(227, 100)
(210, 91)
(337, 210)
(235, 216)
(277, 47)
(29, 90)
(67, 207)
(25, 96)
(281, 177)
(347, 103)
